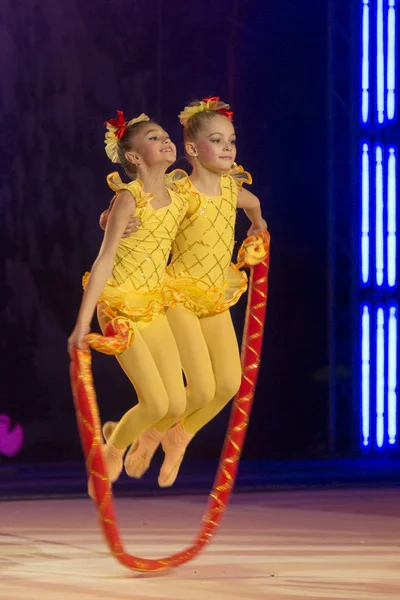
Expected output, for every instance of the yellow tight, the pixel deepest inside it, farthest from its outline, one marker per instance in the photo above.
(211, 361)
(153, 366)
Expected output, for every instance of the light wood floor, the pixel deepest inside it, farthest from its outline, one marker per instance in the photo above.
(275, 546)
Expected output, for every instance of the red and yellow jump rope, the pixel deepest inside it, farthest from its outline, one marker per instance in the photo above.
(254, 253)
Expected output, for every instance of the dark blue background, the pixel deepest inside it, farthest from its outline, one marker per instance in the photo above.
(65, 67)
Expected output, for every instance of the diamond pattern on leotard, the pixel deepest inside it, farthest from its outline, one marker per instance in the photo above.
(204, 242)
(141, 258)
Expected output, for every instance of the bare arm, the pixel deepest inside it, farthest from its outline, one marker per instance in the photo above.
(102, 267)
(251, 206)
(132, 225)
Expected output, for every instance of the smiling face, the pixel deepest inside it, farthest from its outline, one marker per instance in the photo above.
(214, 144)
(153, 145)
(149, 144)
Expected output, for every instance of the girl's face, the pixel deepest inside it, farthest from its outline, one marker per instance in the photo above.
(215, 144)
(152, 147)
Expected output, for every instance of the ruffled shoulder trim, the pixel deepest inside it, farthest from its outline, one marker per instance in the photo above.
(136, 188)
(240, 176)
(176, 176)
(180, 182)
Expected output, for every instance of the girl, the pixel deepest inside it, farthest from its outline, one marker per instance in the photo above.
(202, 282)
(126, 279)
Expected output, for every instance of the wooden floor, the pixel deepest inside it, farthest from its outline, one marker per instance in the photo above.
(276, 546)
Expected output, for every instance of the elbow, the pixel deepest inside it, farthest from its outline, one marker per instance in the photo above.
(104, 265)
(248, 201)
(253, 206)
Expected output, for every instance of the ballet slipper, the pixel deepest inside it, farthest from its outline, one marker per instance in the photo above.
(113, 461)
(174, 445)
(138, 458)
(135, 467)
(108, 428)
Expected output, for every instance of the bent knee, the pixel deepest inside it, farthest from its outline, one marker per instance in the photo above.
(202, 395)
(228, 387)
(157, 410)
(176, 409)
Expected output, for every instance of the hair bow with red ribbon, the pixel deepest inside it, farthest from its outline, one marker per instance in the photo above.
(222, 111)
(119, 124)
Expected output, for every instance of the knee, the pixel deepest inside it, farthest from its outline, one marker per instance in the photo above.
(202, 394)
(228, 386)
(157, 410)
(176, 408)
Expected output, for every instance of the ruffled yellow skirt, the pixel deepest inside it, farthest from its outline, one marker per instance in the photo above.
(125, 300)
(200, 297)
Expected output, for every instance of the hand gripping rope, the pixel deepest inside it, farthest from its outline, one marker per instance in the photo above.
(254, 253)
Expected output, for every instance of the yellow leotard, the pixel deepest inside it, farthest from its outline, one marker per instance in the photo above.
(200, 275)
(135, 287)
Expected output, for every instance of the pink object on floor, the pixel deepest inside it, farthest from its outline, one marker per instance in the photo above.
(11, 438)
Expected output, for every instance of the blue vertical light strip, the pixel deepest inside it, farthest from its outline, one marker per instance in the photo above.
(391, 217)
(379, 411)
(379, 254)
(392, 375)
(380, 376)
(365, 374)
(391, 61)
(380, 63)
(365, 62)
(365, 218)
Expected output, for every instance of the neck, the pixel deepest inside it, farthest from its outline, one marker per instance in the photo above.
(153, 179)
(207, 182)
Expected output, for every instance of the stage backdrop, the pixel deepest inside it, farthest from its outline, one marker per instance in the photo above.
(66, 67)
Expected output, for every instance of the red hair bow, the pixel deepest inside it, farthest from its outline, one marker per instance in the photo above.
(211, 99)
(119, 124)
(222, 111)
(226, 113)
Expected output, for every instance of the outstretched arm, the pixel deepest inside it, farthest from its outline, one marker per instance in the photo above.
(251, 206)
(132, 225)
(102, 267)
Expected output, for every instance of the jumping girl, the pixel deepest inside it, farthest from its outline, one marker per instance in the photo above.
(202, 283)
(127, 275)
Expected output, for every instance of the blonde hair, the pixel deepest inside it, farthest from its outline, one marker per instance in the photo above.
(119, 139)
(195, 114)
(126, 144)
